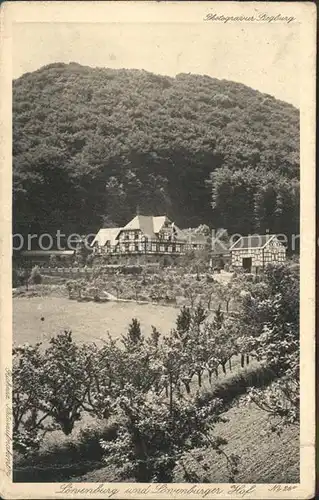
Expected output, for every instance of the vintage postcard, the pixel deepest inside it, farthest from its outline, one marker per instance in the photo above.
(157, 250)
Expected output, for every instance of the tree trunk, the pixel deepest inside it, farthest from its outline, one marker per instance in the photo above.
(229, 362)
(170, 394)
(199, 375)
(242, 360)
(187, 386)
(142, 474)
(224, 368)
(247, 359)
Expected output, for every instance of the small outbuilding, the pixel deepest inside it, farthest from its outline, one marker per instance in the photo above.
(254, 252)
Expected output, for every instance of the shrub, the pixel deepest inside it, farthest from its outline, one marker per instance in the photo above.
(240, 384)
(53, 261)
(36, 277)
(16, 280)
(74, 458)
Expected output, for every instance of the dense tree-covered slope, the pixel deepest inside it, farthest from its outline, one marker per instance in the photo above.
(94, 144)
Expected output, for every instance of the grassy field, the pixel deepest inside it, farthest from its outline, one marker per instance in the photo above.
(89, 321)
(272, 459)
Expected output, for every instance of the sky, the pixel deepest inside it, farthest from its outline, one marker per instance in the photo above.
(264, 57)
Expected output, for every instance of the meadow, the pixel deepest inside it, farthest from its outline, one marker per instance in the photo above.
(89, 321)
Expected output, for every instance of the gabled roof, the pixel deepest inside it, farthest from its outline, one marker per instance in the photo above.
(151, 226)
(106, 234)
(158, 222)
(253, 241)
(142, 222)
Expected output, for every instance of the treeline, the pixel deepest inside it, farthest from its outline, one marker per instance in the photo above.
(255, 200)
(92, 145)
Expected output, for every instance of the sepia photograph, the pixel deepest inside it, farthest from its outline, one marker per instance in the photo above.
(157, 244)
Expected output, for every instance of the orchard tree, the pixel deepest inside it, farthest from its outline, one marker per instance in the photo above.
(134, 336)
(50, 384)
(65, 381)
(24, 277)
(154, 435)
(271, 319)
(27, 398)
(119, 286)
(209, 292)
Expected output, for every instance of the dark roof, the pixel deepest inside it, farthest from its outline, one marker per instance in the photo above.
(44, 253)
(252, 241)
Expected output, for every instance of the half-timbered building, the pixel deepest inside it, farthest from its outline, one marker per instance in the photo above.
(147, 235)
(254, 252)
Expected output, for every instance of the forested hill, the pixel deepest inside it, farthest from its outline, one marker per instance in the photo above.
(91, 145)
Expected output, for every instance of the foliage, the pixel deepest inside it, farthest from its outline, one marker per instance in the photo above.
(280, 401)
(150, 385)
(110, 140)
(16, 278)
(156, 435)
(139, 379)
(35, 276)
(50, 384)
(23, 277)
(53, 260)
(271, 318)
(27, 399)
(249, 200)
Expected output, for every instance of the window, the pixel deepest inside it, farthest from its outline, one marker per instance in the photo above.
(136, 248)
(136, 236)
